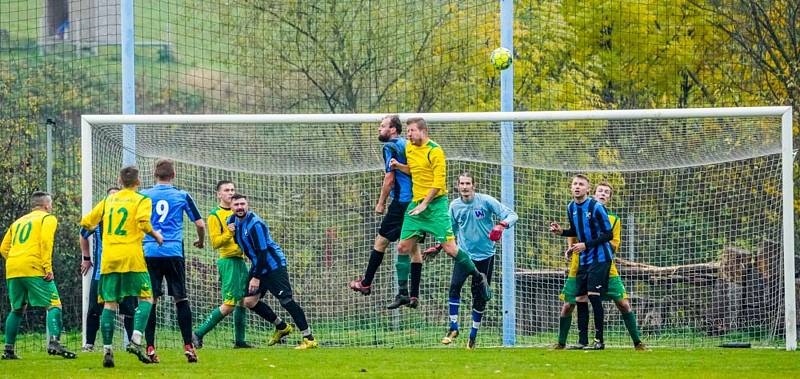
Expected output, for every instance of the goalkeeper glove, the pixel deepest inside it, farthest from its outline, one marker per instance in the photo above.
(498, 230)
(431, 252)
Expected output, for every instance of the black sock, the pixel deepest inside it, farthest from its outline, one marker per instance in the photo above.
(375, 259)
(599, 314)
(128, 322)
(150, 329)
(416, 276)
(583, 323)
(92, 326)
(403, 284)
(297, 313)
(263, 310)
(184, 314)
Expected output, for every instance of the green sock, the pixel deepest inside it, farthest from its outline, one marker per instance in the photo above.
(107, 324)
(239, 323)
(213, 319)
(12, 327)
(465, 261)
(54, 322)
(403, 267)
(141, 315)
(632, 326)
(563, 329)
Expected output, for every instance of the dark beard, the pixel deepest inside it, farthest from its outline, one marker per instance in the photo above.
(383, 138)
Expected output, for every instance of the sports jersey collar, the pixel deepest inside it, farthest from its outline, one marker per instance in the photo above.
(162, 185)
(586, 201)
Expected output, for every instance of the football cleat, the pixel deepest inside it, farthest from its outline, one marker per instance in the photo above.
(88, 348)
(641, 347)
(559, 346)
(307, 344)
(279, 334)
(10, 354)
(450, 337)
(151, 353)
(579, 346)
(197, 341)
(413, 303)
(191, 355)
(596, 345)
(108, 358)
(399, 301)
(471, 344)
(243, 345)
(139, 352)
(357, 286)
(55, 348)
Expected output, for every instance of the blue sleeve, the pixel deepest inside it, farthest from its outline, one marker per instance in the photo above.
(388, 154)
(571, 232)
(503, 212)
(453, 222)
(87, 233)
(260, 237)
(191, 209)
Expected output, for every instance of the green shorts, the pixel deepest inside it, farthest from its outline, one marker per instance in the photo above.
(32, 290)
(435, 220)
(232, 278)
(615, 292)
(114, 287)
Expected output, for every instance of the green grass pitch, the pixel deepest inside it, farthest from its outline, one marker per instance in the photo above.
(455, 362)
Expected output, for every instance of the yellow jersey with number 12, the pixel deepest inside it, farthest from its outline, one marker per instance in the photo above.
(126, 218)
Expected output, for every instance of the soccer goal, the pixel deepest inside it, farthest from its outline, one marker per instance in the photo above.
(704, 196)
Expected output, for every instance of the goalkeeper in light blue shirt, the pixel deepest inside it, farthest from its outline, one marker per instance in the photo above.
(473, 217)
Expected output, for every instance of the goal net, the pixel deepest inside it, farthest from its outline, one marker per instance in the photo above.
(706, 253)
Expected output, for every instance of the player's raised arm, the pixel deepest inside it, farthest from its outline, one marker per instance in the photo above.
(90, 221)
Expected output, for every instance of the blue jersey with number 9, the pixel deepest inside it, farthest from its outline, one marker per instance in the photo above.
(169, 205)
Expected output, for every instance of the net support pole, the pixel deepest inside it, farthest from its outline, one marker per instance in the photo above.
(128, 81)
(507, 175)
(86, 207)
(787, 162)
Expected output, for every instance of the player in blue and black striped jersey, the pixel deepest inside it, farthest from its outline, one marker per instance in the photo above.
(589, 223)
(167, 260)
(267, 272)
(397, 185)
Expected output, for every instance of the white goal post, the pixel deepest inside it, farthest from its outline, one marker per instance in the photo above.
(533, 134)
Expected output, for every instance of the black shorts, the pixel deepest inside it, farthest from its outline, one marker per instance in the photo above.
(171, 268)
(459, 276)
(592, 278)
(392, 223)
(275, 281)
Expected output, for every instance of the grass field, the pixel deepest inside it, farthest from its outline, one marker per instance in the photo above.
(413, 363)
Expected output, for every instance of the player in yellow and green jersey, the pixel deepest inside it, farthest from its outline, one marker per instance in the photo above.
(428, 211)
(616, 290)
(123, 272)
(232, 271)
(28, 250)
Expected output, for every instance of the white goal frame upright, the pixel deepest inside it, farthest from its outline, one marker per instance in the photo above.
(506, 118)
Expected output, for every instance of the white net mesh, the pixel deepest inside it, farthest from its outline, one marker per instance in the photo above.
(699, 200)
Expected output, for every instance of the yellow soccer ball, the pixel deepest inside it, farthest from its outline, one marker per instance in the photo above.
(501, 58)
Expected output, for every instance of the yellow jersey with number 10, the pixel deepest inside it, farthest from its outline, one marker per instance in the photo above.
(28, 245)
